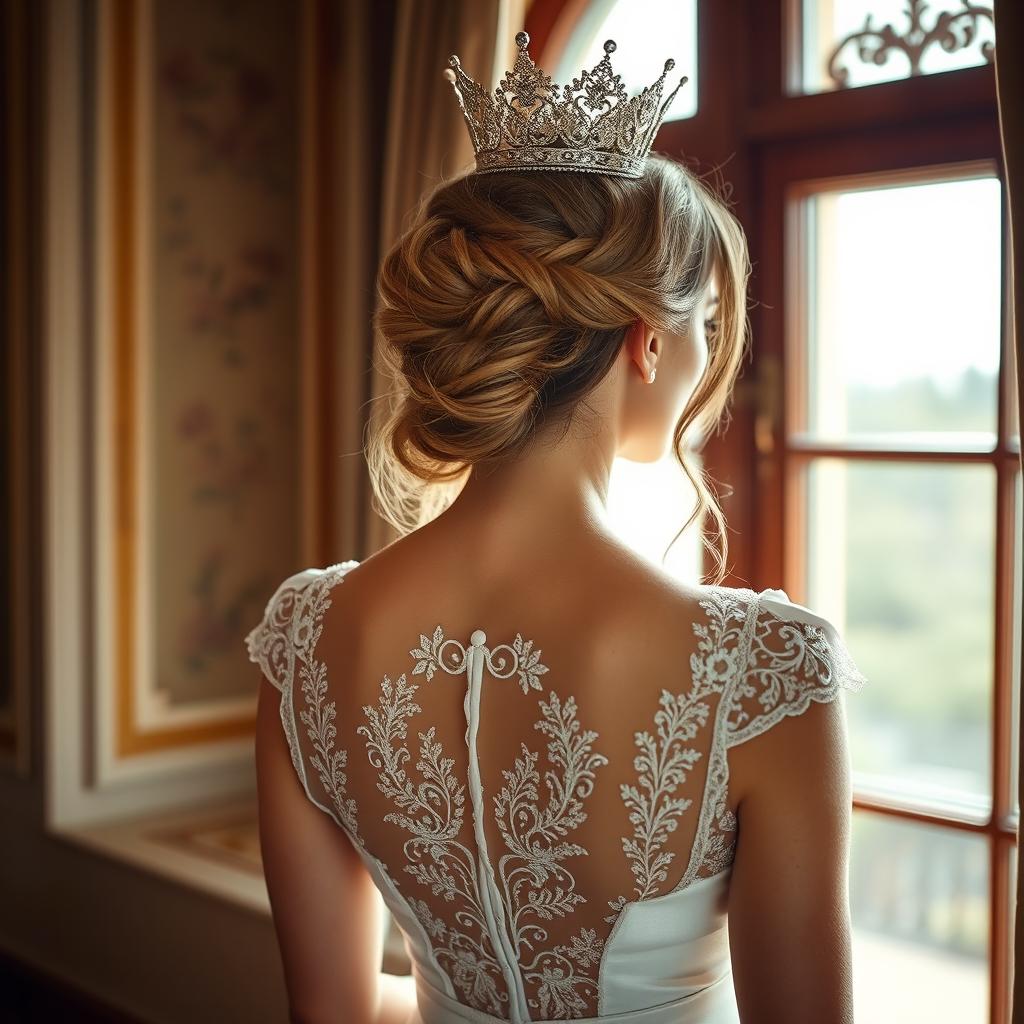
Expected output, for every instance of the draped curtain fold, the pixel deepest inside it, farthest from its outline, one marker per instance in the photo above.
(1009, 19)
(366, 30)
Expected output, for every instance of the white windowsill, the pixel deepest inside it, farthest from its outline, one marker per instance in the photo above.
(213, 849)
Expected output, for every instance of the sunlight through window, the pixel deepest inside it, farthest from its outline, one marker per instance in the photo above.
(641, 53)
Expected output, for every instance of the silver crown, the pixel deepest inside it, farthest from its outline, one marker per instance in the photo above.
(528, 123)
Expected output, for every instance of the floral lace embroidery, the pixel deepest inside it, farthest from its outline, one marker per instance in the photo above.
(785, 665)
(663, 763)
(723, 650)
(317, 716)
(763, 667)
(535, 854)
(289, 632)
(534, 884)
(791, 663)
(434, 811)
(526, 660)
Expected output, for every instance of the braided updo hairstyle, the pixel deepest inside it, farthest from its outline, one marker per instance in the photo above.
(507, 300)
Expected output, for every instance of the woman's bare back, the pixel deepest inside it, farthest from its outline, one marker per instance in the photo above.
(528, 744)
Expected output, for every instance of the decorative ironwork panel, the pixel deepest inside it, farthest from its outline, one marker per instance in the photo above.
(891, 39)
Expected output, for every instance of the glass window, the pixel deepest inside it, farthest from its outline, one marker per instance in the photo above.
(1013, 915)
(1018, 556)
(903, 319)
(641, 53)
(901, 558)
(846, 43)
(919, 907)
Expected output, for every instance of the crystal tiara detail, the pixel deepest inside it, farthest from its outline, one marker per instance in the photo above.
(528, 123)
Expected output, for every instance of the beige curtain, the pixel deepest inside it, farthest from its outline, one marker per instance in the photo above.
(360, 89)
(422, 139)
(1009, 18)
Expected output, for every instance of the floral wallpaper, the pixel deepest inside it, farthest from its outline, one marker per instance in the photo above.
(221, 453)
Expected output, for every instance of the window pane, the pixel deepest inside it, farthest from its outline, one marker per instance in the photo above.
(648, 504)
(904, 310)
(1011, 385)
(640, 53)
(866, 59)
(919, 906)
(1013, 915)
(901, 558)
(1018, 538)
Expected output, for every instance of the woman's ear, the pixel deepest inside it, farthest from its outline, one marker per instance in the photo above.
(642, 345)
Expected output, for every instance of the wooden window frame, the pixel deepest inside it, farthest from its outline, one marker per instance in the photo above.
(767, 143)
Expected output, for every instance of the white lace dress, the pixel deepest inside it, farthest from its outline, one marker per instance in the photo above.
(551, 847)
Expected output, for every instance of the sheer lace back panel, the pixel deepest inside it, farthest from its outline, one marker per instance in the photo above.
(516, 785)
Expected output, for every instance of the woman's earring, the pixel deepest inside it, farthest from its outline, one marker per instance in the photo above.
(651, 375)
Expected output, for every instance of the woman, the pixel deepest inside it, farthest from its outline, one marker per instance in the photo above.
(583, 788)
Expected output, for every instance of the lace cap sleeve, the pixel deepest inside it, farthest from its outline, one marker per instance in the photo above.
(795, 656)
(283, 643)
(271, 641)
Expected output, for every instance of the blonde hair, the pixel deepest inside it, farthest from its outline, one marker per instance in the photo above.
(506, 301)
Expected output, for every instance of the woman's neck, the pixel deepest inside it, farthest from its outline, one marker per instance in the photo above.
(557, 490)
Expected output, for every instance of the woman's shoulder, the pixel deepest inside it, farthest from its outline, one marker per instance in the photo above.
(300, 579)
(288, 601)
